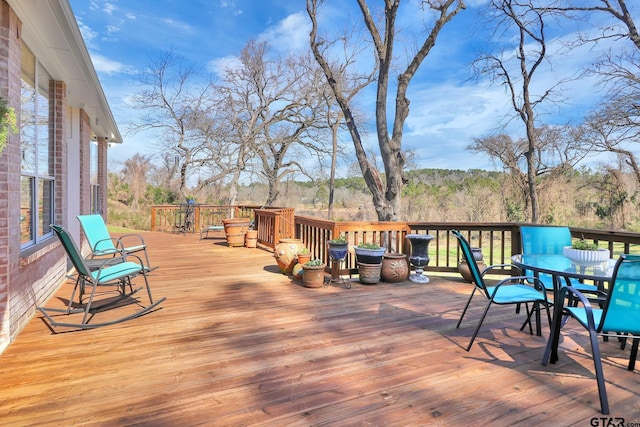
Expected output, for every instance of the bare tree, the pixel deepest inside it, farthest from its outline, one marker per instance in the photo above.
(617, 9)
(273, 107)
(352, 84)
(516, 69)
(386, 196)
(613, 129)
(557, 151)
(180, 109)
(135, 173)
(613, 126)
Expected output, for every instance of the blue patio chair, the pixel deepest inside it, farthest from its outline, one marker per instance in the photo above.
(116, 272)
(620, 313)
(549, 239)
(102, 244)
(512, 290)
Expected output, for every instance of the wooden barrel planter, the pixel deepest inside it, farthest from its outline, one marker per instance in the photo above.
(235, 229)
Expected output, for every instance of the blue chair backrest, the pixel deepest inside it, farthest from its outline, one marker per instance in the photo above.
(96, 232)
(471, 261)
(72, 251)
(622, 309)
(544, 239)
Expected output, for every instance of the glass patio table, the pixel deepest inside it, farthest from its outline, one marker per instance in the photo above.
(560, 268)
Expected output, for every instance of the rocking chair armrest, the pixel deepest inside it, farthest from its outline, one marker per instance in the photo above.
(116, 242)
(129, 236)
(111, 261)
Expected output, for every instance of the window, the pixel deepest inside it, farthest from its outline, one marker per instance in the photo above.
(37, 165)
(93, 171)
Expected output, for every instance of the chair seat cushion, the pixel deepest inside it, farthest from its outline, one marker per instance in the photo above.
(510, 294)
(547, 280)
(117, 271)
(617, 322)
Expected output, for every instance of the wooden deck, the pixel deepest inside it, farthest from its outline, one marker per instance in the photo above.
(237, 343)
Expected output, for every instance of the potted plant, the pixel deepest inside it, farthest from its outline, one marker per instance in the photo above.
(369, 253)
(583, 252)
(303, 255)
(313, 273)
(369, 259)
(338, 247)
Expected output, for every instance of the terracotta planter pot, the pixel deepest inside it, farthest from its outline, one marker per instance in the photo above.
(395, 268)
(313, 276)
(251, 238)
(369, 273)
(286, 252)
(235, 230)
(302, 258)
(463, 269)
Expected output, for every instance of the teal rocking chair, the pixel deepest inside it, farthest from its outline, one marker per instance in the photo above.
(620, 313)
(102, 244)
(116, 272)
(512, 290)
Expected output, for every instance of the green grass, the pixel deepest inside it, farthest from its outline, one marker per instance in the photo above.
(120, 230)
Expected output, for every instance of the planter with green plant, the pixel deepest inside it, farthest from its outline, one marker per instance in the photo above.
(338, 247)
(313, 273)
(369, 253)
(303, 255)
(583, 252)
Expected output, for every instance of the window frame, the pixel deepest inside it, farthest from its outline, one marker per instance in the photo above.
(37, 200)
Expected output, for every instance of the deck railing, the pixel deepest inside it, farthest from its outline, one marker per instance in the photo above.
(498, 241)
(195, 217)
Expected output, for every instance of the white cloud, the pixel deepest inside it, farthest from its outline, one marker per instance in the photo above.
(105, 65)
(112, 29)
(220, 65)
(290, 34)
(87, 34)
(109, 8)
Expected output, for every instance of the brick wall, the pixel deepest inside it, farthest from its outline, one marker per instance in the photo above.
(42, 268)
(9, 169)
(27, 278)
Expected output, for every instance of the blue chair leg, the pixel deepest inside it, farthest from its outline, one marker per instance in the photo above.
(602, 391)
(486, 310)
(634, 354)
(466, 307)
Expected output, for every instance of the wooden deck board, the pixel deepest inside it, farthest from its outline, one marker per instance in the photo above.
(238, 343)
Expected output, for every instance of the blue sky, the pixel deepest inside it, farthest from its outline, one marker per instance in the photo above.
(448, 107)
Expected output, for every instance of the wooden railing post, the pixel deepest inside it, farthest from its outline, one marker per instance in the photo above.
(153, 218)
